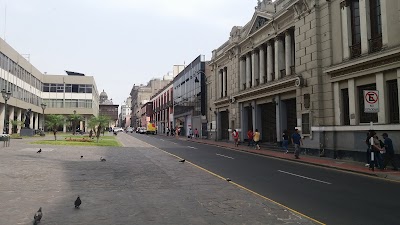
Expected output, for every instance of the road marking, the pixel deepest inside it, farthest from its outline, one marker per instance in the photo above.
(224, 156)
(192, 147)
(174, 142)
(324, 182)
(162, 139)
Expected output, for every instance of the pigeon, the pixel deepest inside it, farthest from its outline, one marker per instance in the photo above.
(40, 150)
(182, 161)
(38, 216)
(78, 202)
(81, 156)
(102, 159)
(228, 179)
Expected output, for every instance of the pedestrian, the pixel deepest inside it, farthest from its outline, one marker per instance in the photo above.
(235, 136)
(389, 155)
(285, 141)
(296, 140)
(256, 139)
(375, 146)
(190, 133)
(167, 131)
(367, 141)
(250, 137)
(196, 133)
(90, 134)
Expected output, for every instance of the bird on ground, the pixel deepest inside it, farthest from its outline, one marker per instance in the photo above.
(78, 202)
(102, 159)
(228, 179)
(38, 216)
(81, 156)
(182, 161)
(40, 150)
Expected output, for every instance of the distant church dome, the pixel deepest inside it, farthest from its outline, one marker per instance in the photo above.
(104, 94)
(103, 98)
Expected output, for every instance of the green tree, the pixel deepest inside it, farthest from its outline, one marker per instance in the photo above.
(75, 119)
(98, 124)
(16, 123)
(53, 122)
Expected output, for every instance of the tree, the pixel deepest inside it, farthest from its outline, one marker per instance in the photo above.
(53, 122)
(16, 123)
(98, 124)
(75, 119)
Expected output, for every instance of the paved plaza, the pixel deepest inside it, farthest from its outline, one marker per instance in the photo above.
(138, 184)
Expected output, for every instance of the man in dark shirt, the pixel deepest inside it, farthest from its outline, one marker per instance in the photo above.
(296, 140)
(389, 155)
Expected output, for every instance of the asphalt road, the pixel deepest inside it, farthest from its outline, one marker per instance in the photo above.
(327, 195)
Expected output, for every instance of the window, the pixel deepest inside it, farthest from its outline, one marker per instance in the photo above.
(355, 48)
(46, 87)
(305, 123)
(366, 117)
(393, 97)
(375, 43)
(346, 106)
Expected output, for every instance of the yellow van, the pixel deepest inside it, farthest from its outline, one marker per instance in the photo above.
(151, 128)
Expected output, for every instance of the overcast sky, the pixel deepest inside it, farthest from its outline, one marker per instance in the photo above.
(119, 42)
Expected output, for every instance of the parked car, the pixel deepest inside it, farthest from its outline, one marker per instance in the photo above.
(118, 129)
(143, 130)
(129, 129)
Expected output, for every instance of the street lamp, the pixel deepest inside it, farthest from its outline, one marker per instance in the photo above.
(6, 95)
(43, 108)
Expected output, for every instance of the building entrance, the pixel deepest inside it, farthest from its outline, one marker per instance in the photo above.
(268, 122)
(224, 125)
(291, 117)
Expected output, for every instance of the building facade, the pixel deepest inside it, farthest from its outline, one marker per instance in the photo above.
(107, 108)
(189, 98)
(30, 88)
(125, 114)
(163, 108)
(146, 114)
(296, 65)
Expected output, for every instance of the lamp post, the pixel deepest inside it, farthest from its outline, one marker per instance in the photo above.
(6, 95)
(43, 108)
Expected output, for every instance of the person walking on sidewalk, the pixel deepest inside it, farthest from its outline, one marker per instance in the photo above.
(389, 155)
(256, 139)
(167, 131)
(296, 140)
(235, 136)
(196, 133)
(285, 141)
(250, 137)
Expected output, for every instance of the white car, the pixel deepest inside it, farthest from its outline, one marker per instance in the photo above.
(129, 129)
(118, 129)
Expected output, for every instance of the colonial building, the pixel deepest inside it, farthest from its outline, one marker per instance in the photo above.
(125, 115)
(163, 108)
(305, 64)
(107, 108)
(146, 114)
(189, 98)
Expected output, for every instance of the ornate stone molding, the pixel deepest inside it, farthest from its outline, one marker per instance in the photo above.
(365, 66)
(345, 3)
(222, 101)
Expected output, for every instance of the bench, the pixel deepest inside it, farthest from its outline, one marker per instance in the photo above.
(6, 140)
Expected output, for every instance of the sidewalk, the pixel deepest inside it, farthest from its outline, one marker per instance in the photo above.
(350, 166)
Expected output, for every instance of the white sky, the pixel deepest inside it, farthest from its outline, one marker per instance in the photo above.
(119, 42)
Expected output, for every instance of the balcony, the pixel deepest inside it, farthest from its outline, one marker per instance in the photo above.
(375, 44)
(355, 50)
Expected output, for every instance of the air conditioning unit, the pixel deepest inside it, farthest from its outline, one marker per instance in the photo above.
(299, 82)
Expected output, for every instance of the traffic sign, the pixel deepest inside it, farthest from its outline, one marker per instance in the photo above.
(371, 101)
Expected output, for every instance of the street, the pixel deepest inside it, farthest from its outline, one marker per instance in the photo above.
(327, 195)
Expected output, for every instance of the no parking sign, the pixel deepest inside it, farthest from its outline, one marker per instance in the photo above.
(371, 101)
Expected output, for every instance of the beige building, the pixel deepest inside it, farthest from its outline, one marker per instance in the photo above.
(30, 88)
(304, 64)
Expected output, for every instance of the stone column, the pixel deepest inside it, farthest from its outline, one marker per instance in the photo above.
(278, 118)
(31, 121)
(242, 79)
(279, 57)
(2, 114)
(10, 117)
(262, 64)
(346, 31)
(337, 104)
(36, 121)
(253, 68)
(80, 125)
(384, 18)
(288, 52)
(220, 84)
(65, 126)
(352, 102)
(365, 25)
(381, 87)
(270, 66)
(398, 85)
(242, 127)
(19, 118)
(248, 71)
(224, 80)
(254, 114)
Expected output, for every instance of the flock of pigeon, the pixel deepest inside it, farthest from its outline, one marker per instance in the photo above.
(39, 214)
